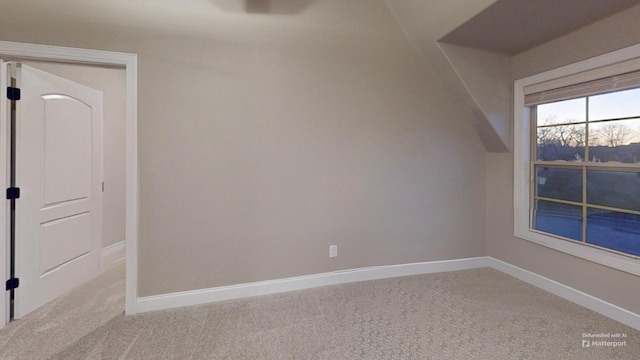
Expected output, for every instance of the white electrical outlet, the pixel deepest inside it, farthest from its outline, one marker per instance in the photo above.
(333, 251)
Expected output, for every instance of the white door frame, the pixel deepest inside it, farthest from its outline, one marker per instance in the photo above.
(21, 51)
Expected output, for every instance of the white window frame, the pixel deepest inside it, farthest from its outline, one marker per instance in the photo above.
(522, 177)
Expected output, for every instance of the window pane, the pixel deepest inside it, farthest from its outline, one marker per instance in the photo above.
(615, 105)
(562, 112)
(619, 189)
(559, 183)
(614, 230)
(615, 141)
(563, 142)
(559, 219)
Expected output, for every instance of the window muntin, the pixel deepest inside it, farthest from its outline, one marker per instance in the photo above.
(586, 170)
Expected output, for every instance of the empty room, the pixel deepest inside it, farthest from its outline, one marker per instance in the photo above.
(320, 179)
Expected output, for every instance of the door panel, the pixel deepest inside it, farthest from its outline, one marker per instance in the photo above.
(64, 240)
(67, 149)
(59, 171)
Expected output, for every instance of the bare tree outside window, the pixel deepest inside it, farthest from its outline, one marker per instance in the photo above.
(560, 142)
(614, 135)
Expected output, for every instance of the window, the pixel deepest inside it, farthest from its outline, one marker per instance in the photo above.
(577, 159)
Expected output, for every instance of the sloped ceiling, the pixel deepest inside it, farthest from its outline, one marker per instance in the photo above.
(513, 26)
(444, 31)
(424, 23)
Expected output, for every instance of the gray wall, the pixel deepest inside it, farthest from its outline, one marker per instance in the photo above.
(617, 287)
(112, 83)
(264, 138)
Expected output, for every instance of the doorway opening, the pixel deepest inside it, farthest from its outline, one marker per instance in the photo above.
(119, 180)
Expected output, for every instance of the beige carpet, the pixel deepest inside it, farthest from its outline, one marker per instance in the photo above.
(473, 314)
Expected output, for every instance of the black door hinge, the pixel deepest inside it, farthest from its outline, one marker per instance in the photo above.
(13, 283)
(13, 93)
(13, 193)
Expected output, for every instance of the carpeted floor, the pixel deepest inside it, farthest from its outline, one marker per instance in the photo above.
(472, 314)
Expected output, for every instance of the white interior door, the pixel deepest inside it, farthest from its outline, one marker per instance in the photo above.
(59, 173)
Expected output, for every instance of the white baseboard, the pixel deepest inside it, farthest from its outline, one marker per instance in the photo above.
(196, 297)
(203, 296)
(568, 293)
(112, 254)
